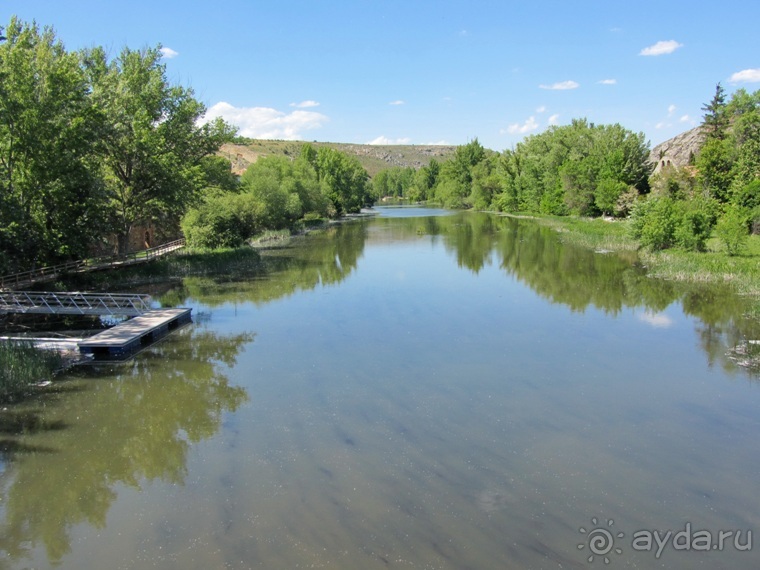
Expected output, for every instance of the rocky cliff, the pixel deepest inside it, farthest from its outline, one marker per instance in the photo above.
(678, 151)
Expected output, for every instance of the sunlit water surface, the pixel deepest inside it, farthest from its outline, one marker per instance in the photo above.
(407, 391)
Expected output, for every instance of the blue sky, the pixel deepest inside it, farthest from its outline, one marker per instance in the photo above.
(422, 72)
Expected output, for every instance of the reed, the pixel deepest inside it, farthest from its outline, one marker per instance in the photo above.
(22, 366)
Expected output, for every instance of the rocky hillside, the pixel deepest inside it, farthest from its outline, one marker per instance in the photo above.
(679, 150)
(373, 157)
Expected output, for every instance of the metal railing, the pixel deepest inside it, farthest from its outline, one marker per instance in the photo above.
(32, 276)
(73, 303)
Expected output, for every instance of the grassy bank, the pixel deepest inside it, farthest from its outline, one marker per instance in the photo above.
(23, 366)
(741, 272)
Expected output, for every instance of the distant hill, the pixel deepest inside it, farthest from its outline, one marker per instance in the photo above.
(373, 157)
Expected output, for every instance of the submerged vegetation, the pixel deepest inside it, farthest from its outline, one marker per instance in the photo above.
(23, 365)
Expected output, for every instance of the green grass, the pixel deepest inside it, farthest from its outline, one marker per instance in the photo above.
(741, 272)
(593, 233)
(23, 366)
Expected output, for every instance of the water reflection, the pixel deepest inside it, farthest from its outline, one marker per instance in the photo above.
(323, 258)
(560, 272)
(125, 426)
(414, 416)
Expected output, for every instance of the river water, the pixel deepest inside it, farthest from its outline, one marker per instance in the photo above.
(416, 390)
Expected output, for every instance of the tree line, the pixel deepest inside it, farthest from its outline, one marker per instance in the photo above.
(581, 168)
(718, 192)
(90, 146)
(593, 170)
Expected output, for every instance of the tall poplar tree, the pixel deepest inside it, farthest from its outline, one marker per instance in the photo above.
(152, 144)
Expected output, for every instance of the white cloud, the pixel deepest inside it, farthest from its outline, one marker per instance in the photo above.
(265, 122)
(686, 119)
(305, 104)
(385, 140)
(657, 320)
(661, 48)
(671, 109)
(397, 102)
(554, 119)
(526, 127)
(662, 125)
(168, 53)
(608, 82)
(541, 109)
(746, 76)
(561, 86)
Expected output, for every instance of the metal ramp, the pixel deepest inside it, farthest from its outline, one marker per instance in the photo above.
(74, 303)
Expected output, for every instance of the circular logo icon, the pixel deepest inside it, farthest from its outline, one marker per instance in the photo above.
(600, 541)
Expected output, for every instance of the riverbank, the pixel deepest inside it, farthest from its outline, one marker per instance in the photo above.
(741, 272)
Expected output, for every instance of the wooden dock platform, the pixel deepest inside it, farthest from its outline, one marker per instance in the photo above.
(124, 339)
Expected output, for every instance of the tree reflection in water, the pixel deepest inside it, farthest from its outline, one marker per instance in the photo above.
(127, 425)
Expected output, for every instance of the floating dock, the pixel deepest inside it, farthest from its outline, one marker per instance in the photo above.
(125, 339)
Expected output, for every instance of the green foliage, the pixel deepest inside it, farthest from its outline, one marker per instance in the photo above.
(89, 146)
(607, 195)
(485, 183)
(222, 221)
(424, 181)
(714, 165)
(151, 142)
(580, 168)
(732, 231)
(51, 196)
(716, 119)
(454, 184)
(660, 222)
(676, 183)
(730, 158)
(653, 222)
(696, 221)
(395, 181)
(344, 181)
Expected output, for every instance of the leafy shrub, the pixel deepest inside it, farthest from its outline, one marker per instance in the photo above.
(654, 222)
(732, 230)
(222, 221)
(607, 194)
(696, 219)
(660, 222)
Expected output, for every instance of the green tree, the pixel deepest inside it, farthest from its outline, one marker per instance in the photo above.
(225, 220)
(716, 120)
(151, 142)
(424, 181)
(714, 164)
(607, 194)
(284, 189)
(50, 195)
(344, 181)
(732, 231)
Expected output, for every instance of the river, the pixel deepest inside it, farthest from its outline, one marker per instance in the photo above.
(419, 389)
